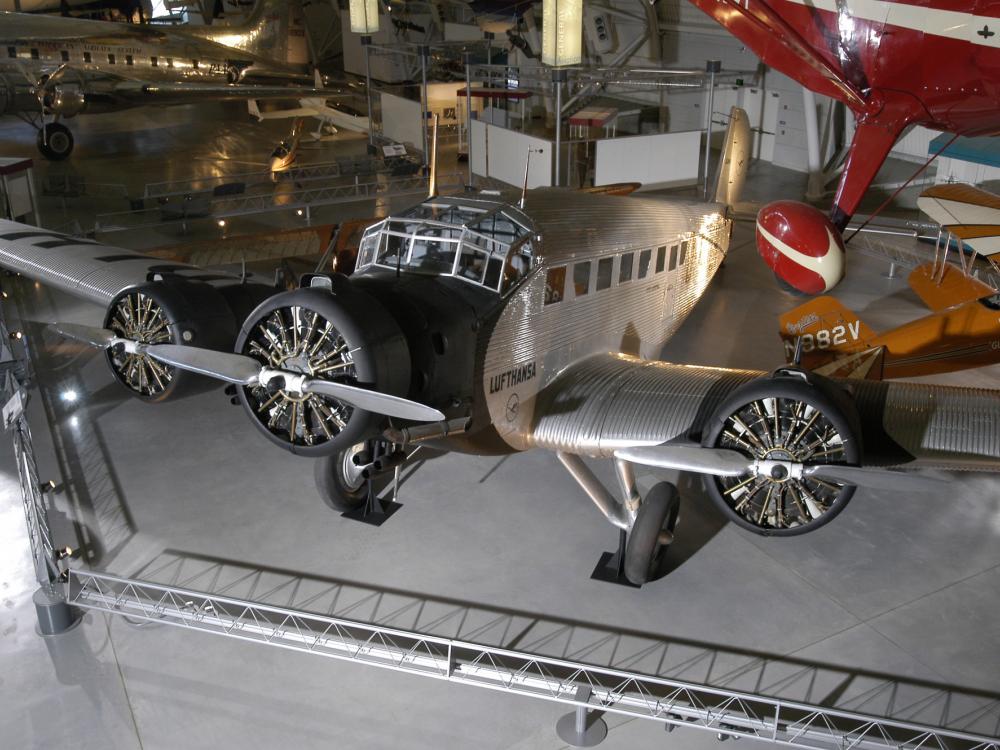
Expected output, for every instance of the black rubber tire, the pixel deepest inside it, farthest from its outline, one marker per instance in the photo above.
(55, 141)
(335, 489)
(382, 357)
(644, 555)
(818, 392)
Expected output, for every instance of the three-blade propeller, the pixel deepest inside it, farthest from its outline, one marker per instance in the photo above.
(722, 462)
(243, 370)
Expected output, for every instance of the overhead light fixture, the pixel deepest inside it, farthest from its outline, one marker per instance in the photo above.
(562, 32)
(69, 396)
(364, 16)
(222, 222)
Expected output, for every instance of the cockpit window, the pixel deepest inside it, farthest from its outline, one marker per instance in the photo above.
(482, 242)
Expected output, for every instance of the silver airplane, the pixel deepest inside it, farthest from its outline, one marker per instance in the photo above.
(52, 68)
(491, 323)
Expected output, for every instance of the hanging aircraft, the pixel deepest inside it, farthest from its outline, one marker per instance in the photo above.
(489, 324)
(53, 69)
(893, 64)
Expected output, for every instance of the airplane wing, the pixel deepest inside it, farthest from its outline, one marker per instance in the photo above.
(82, 267)
(782, 47)
(613, 402)
(142, 92)
(967, 212)
(939, 292)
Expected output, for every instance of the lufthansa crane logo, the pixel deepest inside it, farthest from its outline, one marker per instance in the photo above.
(513, 404)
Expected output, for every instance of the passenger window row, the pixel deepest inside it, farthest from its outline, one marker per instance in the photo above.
(89, 58)
(629, 268)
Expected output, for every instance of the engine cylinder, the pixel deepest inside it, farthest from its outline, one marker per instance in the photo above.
(790, 419)
(168, 311)
(341, 334)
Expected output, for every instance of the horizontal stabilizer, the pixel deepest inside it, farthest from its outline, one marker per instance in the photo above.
(940, 292)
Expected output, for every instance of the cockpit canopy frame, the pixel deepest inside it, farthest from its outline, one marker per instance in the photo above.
(487, 243)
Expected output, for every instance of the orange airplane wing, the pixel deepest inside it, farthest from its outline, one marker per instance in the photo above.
(951, 289)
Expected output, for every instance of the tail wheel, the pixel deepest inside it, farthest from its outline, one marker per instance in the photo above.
(137, 316)
(314, 333)
(785, 418)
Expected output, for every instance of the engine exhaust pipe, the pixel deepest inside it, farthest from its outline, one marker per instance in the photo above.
(430, 431)
(383, 464)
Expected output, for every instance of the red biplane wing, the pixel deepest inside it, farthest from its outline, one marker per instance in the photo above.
(775, 42)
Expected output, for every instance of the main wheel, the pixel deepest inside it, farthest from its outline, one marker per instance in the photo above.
(339, 481)
(55, 141)
(644, 552)
(787, 418)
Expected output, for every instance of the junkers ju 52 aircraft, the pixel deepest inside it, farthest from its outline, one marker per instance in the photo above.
(488, 324)
(59, 68)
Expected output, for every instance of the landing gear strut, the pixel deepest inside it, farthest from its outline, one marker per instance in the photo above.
(646, 524)
(55, 141)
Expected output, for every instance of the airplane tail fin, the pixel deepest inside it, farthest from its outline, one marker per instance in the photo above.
(275, 29)
(735, 158)
(834, 340)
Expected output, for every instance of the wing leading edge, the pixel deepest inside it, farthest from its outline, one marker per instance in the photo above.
(81, 267)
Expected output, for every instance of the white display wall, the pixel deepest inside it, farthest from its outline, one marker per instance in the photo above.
(657, 160)
(401, 121)
(501, 154)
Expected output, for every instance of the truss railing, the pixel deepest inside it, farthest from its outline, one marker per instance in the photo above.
(725, 712)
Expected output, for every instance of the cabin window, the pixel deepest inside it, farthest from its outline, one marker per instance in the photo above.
(673, 257)
(625, 269)
(644, 257)
(34, 53)
(12, 52)
(605, 267)
(684, 252)
(555, 284)
(64, 55)
(129, 60)
(581, 278)
(661, 254)
(111, 59)
(194, 64)
(153, 61)
(86, 57)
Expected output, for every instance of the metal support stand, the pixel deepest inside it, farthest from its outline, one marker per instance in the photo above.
(375, 511)
(55, 616)
(468, 111)
(366, 43)
(558, 76)
(891, 273)
(582, 727)
(611, 567)
(425, 53)
(711, 67)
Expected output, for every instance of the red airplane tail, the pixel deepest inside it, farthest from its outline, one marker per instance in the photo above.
(834, 340)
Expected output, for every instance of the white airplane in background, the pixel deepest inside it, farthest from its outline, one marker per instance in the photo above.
(314, 107)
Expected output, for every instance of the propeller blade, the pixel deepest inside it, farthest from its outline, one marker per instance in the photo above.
(716, 461)
(373, 401)
(233, 368)
(876, 479)
(102, 338)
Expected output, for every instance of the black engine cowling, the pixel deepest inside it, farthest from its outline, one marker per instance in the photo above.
(339, 334)
(177, 311)
(792, 416)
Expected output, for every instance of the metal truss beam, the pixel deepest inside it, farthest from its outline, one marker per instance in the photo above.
(725, 712)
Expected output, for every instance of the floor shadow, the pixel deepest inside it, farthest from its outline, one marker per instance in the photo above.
(776, 676)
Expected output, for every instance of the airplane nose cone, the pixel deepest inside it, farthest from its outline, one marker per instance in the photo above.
(801, 245)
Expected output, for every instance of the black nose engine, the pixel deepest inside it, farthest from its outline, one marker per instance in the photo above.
(340, 334)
